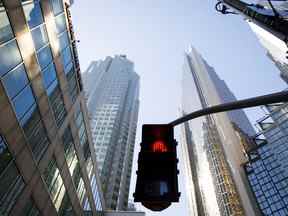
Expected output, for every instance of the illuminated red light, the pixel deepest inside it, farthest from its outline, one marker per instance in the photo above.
(159, 146)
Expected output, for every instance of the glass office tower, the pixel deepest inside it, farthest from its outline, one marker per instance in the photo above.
(112, 92)
(213, 145)
(268, 162)
(48, 164)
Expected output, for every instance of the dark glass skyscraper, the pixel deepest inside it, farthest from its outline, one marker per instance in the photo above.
(47, 158)
(212, 145)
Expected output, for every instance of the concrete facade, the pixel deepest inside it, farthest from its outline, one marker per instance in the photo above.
(112, 94)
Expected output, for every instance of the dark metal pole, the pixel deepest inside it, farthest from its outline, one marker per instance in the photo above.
(274, 24)
(246, 103)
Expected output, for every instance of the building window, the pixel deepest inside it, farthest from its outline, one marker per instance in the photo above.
(64, 40)
(57, 6)
(30, 209)
(79, 184)
(66, 207)
(23, 101)
(6, 32)
(9, 56)
(80, 125)
(15, 81)
(45, 60)
(33, 14)
(20, 93)
(39, 36)
(69, 150)
(35, 132)
(66, 56)
(54, 183)
(49, 75)
(60, 23)
(57, 103)
(11, 182)
(44, 56)
(73, 88)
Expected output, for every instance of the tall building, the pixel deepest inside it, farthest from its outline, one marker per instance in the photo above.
(213, 141)
(47, 159)
(268, 161)
(112, 93)
(275, 44)
(276, 48)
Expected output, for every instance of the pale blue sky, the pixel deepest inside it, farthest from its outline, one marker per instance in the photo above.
(155, 34)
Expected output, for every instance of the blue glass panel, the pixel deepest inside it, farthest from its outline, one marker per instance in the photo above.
(29, 115)
(33, 14)
(9, 57)
(44, 57)
(5, 28)
(64, 40)
(5, 156)
(52, 87)
(60, 23)
(23, 102)
(49, 75)
(68, 68)
(40, 37)
(66, 56)
(15, 80)
(57, 6)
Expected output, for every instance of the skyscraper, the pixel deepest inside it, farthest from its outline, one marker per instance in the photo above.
(267, 167)
(273, 42)
(47, 159)
(275, 47)
(213, 141)
(112, 92)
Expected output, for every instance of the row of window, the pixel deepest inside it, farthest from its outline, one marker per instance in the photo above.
(12, 184)
(37, 26)
(15, 80)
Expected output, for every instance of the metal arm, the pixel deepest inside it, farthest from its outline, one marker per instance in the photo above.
(246, 103)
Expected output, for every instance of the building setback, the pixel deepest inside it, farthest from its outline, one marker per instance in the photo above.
(112, 93)
(47, 159)
(268, 161)
(214, 140)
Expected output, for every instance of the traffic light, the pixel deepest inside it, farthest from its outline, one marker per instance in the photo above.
(157, 175)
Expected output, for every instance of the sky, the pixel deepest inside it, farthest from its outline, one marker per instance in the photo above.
(155, 35)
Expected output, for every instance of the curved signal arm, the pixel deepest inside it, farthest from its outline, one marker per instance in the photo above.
(246, 103)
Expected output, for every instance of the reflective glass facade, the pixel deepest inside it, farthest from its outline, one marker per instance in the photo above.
(43, 153)
(38, 30)
(211, 147)
(17, 85)
(267, 169)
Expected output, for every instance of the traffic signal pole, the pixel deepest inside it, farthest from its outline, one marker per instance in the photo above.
(240, 104)
(275, 24)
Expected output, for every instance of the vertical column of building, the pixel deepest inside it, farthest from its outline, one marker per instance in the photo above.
(46, 155)
(133, 109)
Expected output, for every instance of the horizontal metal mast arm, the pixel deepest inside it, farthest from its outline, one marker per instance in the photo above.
(246, 103)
